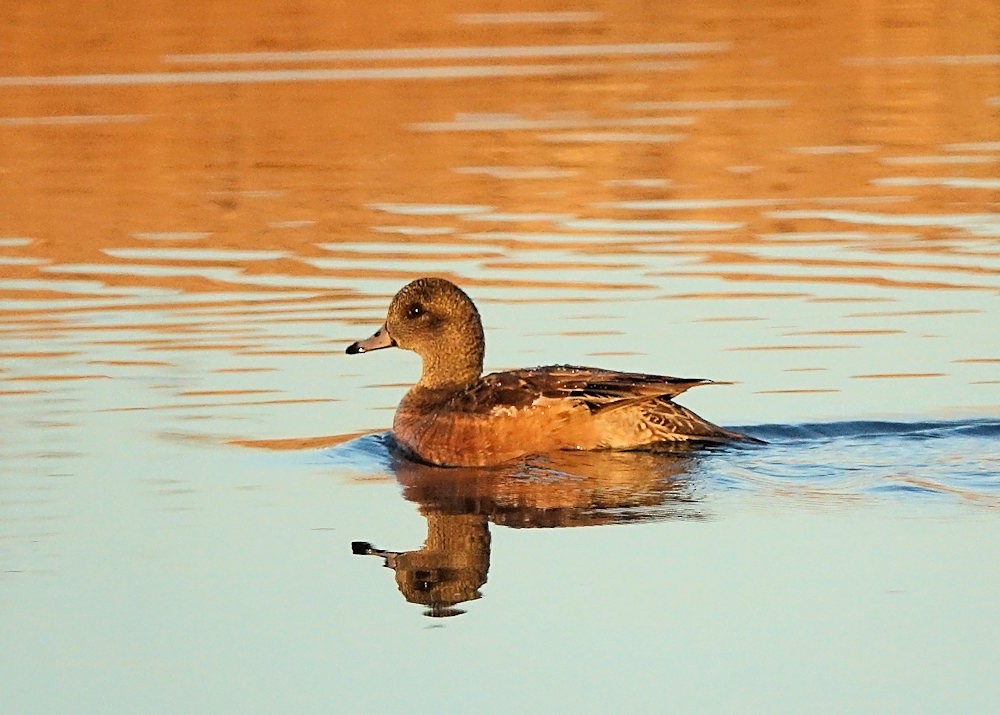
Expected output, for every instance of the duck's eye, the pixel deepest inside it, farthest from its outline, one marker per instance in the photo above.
(415, 311)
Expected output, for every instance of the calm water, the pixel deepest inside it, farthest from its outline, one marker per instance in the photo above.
(200, 210)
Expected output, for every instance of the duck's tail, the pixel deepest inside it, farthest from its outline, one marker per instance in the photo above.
(671, 422)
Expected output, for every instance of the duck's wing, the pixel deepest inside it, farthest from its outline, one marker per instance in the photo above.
(594, 387)
(608, 385)
(634, 409)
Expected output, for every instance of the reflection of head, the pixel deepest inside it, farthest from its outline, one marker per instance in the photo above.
(449, 569)
(451, 566)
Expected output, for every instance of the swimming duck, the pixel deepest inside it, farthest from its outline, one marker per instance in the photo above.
(456, 416)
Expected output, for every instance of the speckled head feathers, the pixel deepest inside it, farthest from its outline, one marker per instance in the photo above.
(436, 319)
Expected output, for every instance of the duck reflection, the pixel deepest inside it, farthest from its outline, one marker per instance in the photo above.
(556, 490)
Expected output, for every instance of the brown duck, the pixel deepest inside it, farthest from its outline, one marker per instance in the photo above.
(455, 416)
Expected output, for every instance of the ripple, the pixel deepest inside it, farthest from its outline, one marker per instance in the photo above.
(194, 254)
(835, 149)
(710, 104)
(72, 120)
(517, 172)
(371, 74)
(967, 221)
(649, 225)
(496, 123)
(454, 53)
(874, 429)
(909, 61)
(171, 235)
(400, 209)
(526, 18)
(413, 230)
(938, 159)
(972, 146)
(950, 182)
(691, 204)
(609, 137)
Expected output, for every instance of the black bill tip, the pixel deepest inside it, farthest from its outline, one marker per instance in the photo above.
(355, 348)
(361, 548)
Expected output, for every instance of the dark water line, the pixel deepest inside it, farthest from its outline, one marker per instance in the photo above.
(873, 430)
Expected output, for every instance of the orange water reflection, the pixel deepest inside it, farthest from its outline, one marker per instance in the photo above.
(219, 182)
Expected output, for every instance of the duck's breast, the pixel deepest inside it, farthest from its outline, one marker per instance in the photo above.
(492, 436)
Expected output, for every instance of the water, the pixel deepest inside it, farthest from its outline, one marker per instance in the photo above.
(200, 212)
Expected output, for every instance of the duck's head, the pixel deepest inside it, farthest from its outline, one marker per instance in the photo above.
(435, 319)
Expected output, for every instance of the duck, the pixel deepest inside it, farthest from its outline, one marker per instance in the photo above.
(454, 416)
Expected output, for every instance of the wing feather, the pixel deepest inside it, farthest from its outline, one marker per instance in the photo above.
(597, 388)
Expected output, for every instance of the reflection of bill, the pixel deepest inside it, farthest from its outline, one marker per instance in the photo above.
(558, 490)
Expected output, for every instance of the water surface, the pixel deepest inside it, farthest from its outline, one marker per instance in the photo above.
(201, 210)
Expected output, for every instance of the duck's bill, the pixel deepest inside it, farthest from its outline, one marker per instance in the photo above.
(378, 341)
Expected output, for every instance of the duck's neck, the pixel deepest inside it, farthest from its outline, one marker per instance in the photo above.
(454, 364)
